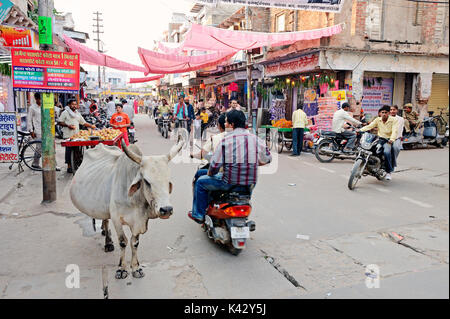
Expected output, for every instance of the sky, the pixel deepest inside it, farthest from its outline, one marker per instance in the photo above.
(127, 24)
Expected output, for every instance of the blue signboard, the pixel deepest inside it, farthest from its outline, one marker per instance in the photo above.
(5, 6)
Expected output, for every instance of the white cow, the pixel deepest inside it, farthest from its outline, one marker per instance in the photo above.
(127, 188)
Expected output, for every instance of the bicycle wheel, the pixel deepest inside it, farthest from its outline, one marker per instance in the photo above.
(30, 150)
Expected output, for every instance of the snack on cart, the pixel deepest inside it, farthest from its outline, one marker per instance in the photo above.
(90, 139)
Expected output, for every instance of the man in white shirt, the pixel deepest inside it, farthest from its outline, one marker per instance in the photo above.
(397, 146)
(34, 126)
(2, 107)
(110, 107)
(70, 120)
(128, 109)
(340, 120)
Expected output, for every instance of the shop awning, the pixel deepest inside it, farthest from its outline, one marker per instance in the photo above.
(144, 80)
(205, 38)
(90, 56)
(160, 63)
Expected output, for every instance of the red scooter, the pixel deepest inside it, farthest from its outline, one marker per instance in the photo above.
(226, 220)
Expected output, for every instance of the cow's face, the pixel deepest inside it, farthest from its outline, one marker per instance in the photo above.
(153, 181)
(156, 186)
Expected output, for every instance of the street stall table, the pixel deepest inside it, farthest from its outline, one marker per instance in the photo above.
(79, 146)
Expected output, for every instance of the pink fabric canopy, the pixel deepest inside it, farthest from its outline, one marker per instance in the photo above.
(207, 38)
(156, 62)
(143, 80)
(90, 56)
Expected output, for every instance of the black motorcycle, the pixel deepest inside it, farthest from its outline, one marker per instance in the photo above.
(132, 134)
(164, 123)
(370, 160)
(331, 146)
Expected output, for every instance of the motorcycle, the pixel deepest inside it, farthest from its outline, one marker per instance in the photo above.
(370, 160)
(164, 125)
(132, 134)
(330, 146)
(226, 220)
(429, 135)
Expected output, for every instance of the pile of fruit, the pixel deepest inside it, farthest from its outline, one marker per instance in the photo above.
(283, 123)
(107, 134)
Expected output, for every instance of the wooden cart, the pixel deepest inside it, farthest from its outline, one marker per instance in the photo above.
(79, 147)
(281, 137)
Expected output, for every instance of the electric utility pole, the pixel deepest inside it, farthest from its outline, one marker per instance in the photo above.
(45, 9)
(98, 32)
(249, 72)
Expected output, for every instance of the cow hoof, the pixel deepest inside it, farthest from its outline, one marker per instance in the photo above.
(121, 274)
(138, 273)
(109, 248)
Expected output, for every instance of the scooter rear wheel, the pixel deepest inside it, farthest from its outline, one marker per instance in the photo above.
(234, 251)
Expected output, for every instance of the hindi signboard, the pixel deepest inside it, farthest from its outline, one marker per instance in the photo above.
(298, 65)
(379, 93)
(317, 5)
(45, 71)
(13, 37)
(9, 150)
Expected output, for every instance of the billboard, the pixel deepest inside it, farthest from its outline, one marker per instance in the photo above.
(379, 93)
(45, 71)
(15, 37)
(309, 5)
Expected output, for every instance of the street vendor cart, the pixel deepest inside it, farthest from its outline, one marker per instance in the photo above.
(281, 137)
(79, 147)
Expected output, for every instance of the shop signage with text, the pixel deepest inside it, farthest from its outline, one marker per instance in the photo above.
(328, 6)
(45, 71)
(15, 37)
(297, 65)
(9, 151)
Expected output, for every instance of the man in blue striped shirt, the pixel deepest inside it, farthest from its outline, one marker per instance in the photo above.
(239, 154)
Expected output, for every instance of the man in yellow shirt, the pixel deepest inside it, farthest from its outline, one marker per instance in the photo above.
(388, 131)
(299, 123)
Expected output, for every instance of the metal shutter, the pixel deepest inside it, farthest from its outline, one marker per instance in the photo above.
(439, 93)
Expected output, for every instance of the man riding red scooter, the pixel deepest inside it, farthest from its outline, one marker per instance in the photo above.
(239, 155)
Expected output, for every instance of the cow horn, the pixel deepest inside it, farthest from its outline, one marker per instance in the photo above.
(177, 148)
(135, 158)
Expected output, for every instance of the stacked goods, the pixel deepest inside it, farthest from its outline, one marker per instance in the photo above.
(327, 108)
(107, 134)
(283, 123)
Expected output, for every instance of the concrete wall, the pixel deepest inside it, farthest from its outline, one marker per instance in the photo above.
(380, 25)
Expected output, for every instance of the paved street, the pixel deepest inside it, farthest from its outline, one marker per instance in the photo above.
(312, 240)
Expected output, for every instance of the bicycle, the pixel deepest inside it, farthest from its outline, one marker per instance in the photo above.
(28, 149)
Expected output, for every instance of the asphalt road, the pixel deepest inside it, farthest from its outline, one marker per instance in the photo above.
(314, 238)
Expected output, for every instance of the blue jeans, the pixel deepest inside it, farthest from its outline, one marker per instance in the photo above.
(203, 186)
(390, 157)
(297, 140)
